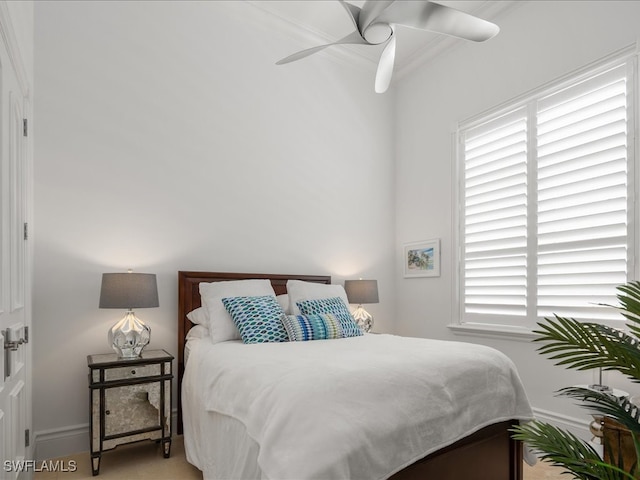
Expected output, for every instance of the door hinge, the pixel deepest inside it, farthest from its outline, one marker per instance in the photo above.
(26, 231)
(27, 440)
(7, 358)
(24, 127)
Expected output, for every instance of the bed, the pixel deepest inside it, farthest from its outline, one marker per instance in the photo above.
(483, 451)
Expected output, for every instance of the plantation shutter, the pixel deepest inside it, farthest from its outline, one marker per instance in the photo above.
(582, 197)
(495, 216)
(546, 206)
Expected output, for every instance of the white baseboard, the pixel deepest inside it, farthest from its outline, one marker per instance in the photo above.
(577, 426)
(61, 442)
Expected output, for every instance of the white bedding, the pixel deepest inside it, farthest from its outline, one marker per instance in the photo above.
(362, 407)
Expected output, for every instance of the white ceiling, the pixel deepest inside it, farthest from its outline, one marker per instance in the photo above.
(325, 21)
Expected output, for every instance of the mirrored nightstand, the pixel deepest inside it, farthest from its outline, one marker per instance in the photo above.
(130, 401)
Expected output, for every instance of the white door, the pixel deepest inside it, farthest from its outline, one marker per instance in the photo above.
(15, 313)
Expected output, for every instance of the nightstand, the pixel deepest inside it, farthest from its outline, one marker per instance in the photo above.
(130, 401)
(619, 448)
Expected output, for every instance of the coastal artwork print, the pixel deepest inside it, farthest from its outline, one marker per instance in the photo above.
(422, 259)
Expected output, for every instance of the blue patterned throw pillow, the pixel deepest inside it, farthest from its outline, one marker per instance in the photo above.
(337, 308)
(321, 326)
(323, 305)
(258, 318)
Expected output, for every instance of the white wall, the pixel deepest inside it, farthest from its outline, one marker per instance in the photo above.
(168, 140)
(538, 42)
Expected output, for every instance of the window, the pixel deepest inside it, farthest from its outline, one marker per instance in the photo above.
(546, 203)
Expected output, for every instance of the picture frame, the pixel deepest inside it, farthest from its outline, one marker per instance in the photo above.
(422, 259)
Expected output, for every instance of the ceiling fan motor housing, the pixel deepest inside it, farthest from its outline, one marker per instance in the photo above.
(378, 33)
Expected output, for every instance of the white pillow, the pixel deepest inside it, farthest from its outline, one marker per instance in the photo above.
(197, 332)
(199, 316)
(299, 291)
(221, 326)
(283, 300)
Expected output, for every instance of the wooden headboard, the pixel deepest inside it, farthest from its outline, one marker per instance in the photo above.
(189, 299)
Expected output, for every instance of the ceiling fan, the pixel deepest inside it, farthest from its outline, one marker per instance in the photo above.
(376, 21)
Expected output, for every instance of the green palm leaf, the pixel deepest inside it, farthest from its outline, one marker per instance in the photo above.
(563, 449)
(584, 346)
(629, 298)
(622, 410)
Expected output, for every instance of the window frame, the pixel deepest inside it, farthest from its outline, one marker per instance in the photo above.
(528, 101)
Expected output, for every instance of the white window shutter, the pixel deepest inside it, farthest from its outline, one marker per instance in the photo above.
(495, 216)
(546, 205)
(582, 197)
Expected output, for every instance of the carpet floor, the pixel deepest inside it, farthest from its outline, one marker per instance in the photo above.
(143, 461)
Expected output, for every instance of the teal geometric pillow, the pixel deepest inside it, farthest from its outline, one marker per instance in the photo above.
(336, 307)
(324, 305)
(320, 326)
(257, 318)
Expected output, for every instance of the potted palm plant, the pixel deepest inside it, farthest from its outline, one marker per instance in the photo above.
(583, 346)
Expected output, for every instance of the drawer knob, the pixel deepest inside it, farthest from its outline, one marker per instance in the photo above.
(107, 412)
(133, 372)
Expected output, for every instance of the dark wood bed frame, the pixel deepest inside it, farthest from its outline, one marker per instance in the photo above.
(489, 454)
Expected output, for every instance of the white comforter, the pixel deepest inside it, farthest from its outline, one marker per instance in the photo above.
(357, 408)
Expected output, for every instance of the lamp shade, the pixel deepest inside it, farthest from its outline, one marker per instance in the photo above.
(361, 291)
(129, 290)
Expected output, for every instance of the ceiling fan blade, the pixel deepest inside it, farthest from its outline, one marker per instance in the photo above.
(353, 11)
(385, 66)
(353, 38)
(370, 11)
(438, 18)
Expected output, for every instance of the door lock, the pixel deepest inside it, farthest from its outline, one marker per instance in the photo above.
(12, 345)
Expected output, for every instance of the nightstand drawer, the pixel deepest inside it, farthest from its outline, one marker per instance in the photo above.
(134, 371)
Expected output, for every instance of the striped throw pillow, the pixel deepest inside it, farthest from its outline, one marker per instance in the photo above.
(337, 308)
(320, 326)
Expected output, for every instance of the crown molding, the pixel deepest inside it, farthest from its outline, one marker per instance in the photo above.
(308, 37)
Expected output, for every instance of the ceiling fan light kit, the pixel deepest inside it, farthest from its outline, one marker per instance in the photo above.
(375, 24)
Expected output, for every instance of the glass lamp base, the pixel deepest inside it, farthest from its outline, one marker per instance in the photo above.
(129, 336)
(600, 388)
(363, 319)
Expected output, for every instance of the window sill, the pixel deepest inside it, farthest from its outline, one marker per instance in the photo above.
(493, 331)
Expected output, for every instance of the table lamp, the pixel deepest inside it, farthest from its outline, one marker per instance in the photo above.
(600, 387)
(359, 292)
(129, 290)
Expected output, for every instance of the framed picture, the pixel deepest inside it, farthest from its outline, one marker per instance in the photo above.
(422, 259)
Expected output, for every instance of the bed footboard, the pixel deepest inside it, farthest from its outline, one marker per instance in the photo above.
(489, 454)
